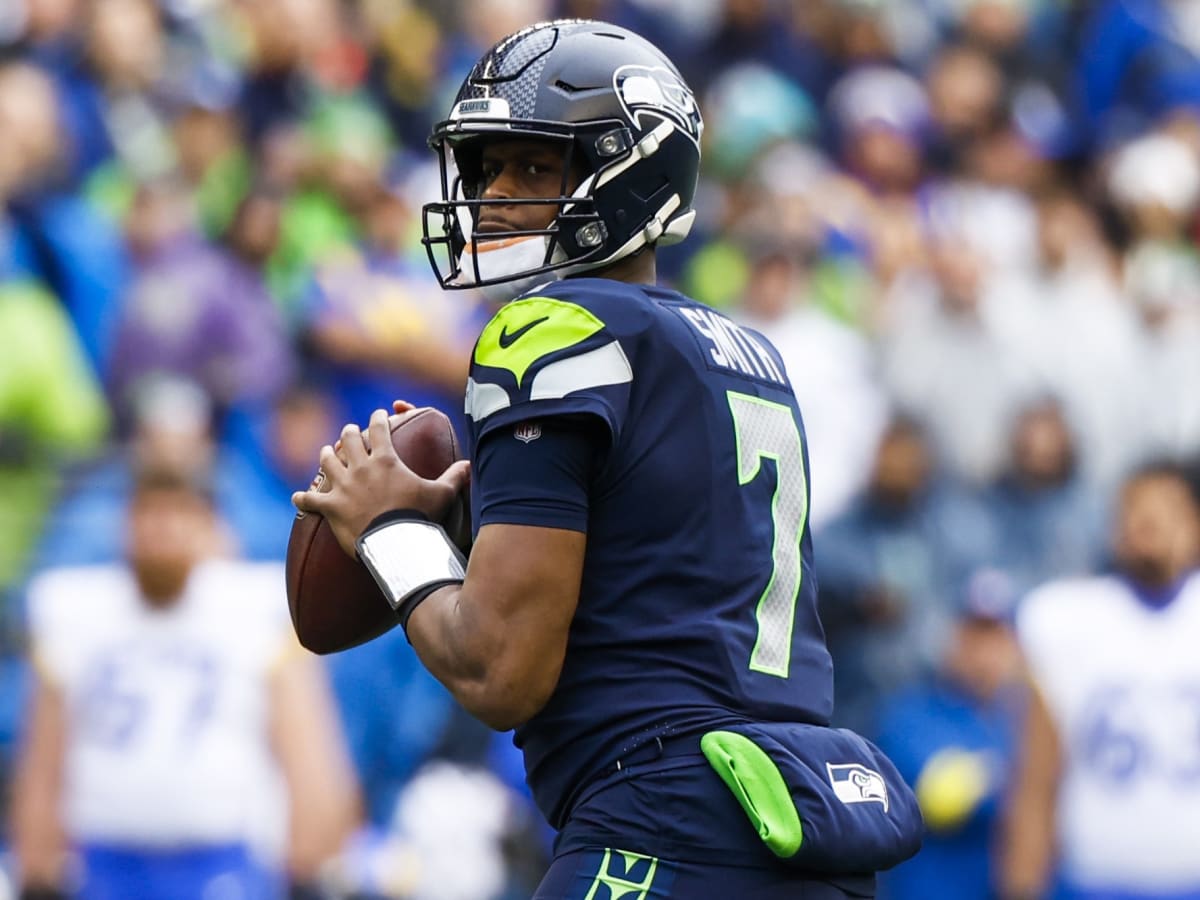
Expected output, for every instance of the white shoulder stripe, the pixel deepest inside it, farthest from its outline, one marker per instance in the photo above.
(483, 399)
(596, 368)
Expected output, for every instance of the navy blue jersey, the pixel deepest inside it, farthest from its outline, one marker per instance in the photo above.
(698, 601)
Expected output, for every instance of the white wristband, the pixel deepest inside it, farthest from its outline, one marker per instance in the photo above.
(407, 556)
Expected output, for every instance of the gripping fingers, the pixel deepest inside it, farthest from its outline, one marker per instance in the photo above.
(351, 446)
(379, 432)
(310, 501)
(331, 462)
(314, 500)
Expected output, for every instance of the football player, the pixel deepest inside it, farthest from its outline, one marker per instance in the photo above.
(1107, 796)
(639, 600)
(179, 742)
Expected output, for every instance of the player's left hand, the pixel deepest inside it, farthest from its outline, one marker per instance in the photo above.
(365, 483)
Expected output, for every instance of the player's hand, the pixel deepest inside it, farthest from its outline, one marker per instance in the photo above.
(401, 408)
(365, 483)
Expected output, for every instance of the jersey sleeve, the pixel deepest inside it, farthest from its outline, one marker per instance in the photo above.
(541, 477)
(1046, 629)
(42, 621)
(65, 610)
(545, 356)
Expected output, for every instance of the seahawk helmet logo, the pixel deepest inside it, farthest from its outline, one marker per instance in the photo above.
(853, 783)
(660, 91)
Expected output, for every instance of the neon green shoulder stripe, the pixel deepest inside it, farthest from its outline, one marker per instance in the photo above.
(524, 331)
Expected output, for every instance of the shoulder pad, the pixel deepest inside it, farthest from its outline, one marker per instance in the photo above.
(542, 348)
(527, 330)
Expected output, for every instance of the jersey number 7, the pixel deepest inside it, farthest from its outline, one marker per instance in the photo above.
(766, 430)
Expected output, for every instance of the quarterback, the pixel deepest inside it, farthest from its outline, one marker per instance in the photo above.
(639, 599)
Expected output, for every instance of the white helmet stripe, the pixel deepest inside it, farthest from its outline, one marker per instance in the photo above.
(647, 146)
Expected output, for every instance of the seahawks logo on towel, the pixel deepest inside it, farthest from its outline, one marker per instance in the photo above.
(853, 783)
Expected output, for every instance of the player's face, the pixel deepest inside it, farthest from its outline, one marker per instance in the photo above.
(169, 532)
(1158, 530)
(522, 169)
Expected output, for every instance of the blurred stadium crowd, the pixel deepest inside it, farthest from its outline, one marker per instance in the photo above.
(970, 226)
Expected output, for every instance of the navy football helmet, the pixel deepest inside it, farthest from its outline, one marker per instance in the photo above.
(622, 115)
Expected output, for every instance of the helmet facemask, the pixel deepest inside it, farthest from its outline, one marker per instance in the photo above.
(503, 264)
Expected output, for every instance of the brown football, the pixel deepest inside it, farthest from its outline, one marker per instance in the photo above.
(334, 601)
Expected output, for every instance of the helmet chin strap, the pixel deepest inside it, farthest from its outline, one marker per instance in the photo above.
(503, 257)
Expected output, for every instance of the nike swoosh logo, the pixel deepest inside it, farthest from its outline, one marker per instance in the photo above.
(507, 340)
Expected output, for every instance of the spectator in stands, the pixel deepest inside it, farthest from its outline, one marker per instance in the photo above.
(1071, 298)
(265, 454)
(43, 31)
(113, 102)
(54, 236)
(201, 311)
(1165, 286)
(1047, 519)
(52, 414)
(881, 115)
(966, 96)
(379, 325)
(1130, 69)
(944, 363)
(953, 738)
(754, 30)
(208, 146)
(343, 152)
(891, 567)
(409, 49)
(1155, 184)
(197, 137)
(287, 38)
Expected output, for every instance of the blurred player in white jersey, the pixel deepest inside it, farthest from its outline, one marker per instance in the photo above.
(1109, 788)
(180, 744)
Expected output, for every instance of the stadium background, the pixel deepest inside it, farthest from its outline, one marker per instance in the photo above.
(969, 225)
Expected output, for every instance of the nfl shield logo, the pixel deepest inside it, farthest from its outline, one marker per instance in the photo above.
(527, 431)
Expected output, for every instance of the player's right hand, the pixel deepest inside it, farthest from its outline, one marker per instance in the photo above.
(366, 478)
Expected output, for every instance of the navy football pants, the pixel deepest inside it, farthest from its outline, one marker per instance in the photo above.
(686, 813)
(614, 875)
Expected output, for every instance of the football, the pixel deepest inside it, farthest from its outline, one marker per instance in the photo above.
(334, 601)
